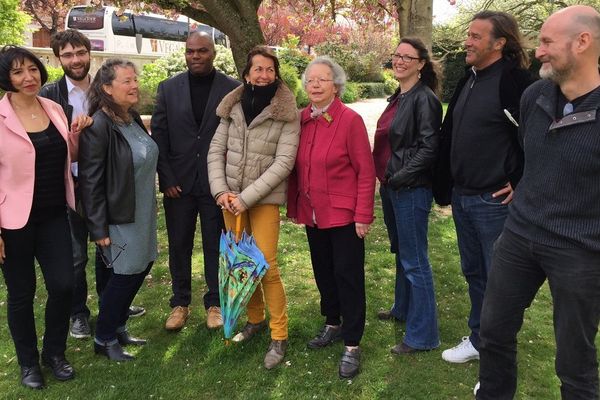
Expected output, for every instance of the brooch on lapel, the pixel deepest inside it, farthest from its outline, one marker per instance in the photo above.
(327, 117)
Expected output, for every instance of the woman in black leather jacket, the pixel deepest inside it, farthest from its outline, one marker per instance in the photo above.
(404, 164)
(117, 167)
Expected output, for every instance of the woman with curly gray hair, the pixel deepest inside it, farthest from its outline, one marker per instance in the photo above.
(117, 167)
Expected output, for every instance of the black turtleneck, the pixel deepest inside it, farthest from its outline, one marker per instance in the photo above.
(256, 98)
(200, 90)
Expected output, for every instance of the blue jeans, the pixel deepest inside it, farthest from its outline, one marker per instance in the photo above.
(411, 212)
(519, 267)
(479, 220)
(400, 307)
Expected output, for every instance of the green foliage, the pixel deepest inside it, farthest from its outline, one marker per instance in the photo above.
(289, 54)
(302, 98)
(454, 70)
(390, 82)
(289, 75)
(224, 61)
(359, 66)
(54, 73)
(351, 93)
(372, 90)
(13, 23)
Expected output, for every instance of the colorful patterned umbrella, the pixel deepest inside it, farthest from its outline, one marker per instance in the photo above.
(241, 267)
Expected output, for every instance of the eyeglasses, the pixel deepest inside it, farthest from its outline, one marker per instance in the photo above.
(69, 56)
(403, 57)
(320, 81)
(105, 259)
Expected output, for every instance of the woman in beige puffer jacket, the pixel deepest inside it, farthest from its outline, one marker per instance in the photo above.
(250, 157)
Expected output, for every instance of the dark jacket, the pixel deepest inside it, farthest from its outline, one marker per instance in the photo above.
(413, 137)
(57, 91)
(513, 81)
(182, 143)
(106, 179)
(557, 200)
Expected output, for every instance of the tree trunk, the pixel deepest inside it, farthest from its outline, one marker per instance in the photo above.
(238, 20)
(415, 18)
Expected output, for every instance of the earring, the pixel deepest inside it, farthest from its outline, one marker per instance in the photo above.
(419, 74)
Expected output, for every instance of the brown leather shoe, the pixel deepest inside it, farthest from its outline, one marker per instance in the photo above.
(214, 319)
(275, 353)
(177, 318)
(249, 331)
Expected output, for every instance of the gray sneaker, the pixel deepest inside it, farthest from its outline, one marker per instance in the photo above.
(80, 327)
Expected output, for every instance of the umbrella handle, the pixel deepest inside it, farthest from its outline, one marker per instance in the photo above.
(238, 227)
(238, 221)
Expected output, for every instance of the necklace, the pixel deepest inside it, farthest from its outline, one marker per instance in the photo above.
(33, 116)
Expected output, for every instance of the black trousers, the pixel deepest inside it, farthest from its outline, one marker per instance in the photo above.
(116, 298)
(79, 240)
(181, 215)
(338, 261)
(519, 268)
(48, 241)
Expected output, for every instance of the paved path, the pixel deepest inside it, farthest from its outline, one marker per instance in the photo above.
(370, 110)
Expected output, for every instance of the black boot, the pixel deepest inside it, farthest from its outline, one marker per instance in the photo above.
(62, 370)
(32, 377)
(113, 351)
(125, 339)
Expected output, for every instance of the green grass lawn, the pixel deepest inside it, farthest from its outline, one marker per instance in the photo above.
(196, 364)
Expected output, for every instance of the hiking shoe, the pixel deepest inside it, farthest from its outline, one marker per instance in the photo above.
(462, 352)
(249, 330)
(275, 353)
(80, 327)
(327, 335)
(136, 311)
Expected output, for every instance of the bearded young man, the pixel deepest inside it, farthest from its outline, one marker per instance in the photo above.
(72, 48)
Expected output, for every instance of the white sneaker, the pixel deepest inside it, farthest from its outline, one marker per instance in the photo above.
(462, 352)
(476, 388)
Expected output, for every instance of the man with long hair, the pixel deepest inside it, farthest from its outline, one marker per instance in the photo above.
(480, 159)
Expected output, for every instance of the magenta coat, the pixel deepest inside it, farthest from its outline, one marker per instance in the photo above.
(17, 162)
(334, 174)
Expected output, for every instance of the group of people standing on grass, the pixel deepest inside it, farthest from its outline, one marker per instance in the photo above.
(518, 161)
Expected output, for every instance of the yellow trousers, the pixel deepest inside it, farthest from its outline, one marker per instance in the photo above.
(263, 222)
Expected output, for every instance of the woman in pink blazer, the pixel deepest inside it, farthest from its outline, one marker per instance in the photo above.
(331, 192)
(35, 188)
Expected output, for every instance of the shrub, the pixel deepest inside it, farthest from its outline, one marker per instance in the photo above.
(372, 90)
(224, 61)
(360, 64)
(302, 98)
(54, 73)
(351, 93)
(289, 54)
(289, 75)
(390, 82)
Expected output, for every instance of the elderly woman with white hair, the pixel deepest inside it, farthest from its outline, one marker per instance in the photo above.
(331, 192)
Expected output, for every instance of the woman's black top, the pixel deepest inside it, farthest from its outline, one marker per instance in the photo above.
(49, 183)
(256, 98)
